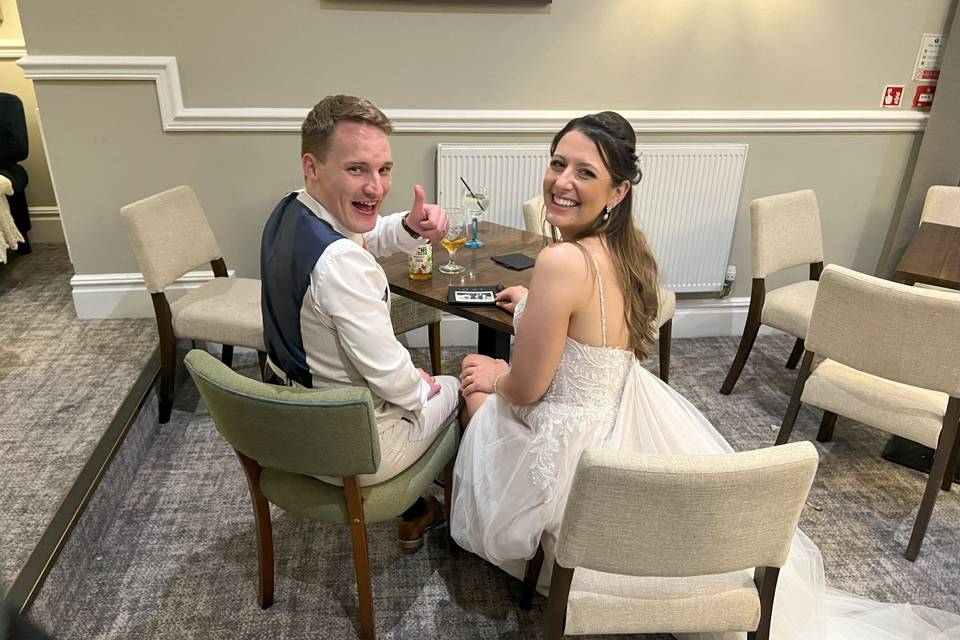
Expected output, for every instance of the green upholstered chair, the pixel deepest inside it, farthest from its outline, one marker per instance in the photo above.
(534, 221)
(891, 361)
(284, 436)
(657, 543)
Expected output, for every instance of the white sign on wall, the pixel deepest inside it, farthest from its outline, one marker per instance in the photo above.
(929, 57)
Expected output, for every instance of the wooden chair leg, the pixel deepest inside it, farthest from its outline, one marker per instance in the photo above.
(941, 458)
(555, 617)
(826, 427)
(261, 514)
(749, 336)
(530, 577)
(793, 409)
(766, 581)
(951, 471)
(448, 488)
(665, 331)
(795, 354)
(226, 357)
(433, 335)
(262, 363)
(168, 355)
(361, 556)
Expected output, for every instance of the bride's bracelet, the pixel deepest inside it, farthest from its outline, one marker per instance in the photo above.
(497, 379)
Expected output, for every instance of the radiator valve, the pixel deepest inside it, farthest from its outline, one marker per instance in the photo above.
(728, 281)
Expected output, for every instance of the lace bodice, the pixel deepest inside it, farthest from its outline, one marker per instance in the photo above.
(584, 392)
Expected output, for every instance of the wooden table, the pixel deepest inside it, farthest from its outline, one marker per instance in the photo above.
(932, 257)
(494, 325)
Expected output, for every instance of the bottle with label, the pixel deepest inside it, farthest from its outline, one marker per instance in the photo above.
(420, 263)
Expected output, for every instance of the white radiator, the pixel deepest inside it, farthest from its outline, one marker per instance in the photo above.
(686, 202)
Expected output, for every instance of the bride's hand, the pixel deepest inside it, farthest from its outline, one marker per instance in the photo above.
(509, 297)
(478, 372)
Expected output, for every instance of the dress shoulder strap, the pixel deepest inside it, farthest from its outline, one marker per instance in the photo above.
(603, 313)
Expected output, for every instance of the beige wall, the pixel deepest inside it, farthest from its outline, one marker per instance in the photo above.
(571, 54)
(39, 191)
(107, 145)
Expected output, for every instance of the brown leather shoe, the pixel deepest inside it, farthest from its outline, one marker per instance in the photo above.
(411, 531)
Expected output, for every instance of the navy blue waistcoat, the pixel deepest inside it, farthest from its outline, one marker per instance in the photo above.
(293, 239)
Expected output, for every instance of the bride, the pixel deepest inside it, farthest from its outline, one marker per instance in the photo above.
(576, 382)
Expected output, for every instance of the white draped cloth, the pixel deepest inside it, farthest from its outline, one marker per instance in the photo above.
(9, 234)
(516, 464)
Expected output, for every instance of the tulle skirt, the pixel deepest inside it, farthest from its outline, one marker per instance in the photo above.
(500, 514)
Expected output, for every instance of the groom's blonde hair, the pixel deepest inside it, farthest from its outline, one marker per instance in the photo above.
(319, 125)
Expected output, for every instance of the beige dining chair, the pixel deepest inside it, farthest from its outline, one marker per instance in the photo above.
(942, 206)
(892, 361)
(170, 236)
(653, 543)
(535, 222)
(784, 232)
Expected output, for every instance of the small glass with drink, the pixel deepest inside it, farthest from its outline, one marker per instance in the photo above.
(455, 238)
(475, 201)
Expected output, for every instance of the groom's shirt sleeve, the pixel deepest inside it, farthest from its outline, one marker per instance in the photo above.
(351, 289)
(389, 237)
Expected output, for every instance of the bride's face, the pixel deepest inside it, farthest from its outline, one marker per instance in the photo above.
(577, 186)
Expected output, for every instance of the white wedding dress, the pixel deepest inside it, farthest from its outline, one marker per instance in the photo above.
(516, 463)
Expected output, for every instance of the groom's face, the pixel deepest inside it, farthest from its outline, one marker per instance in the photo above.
(353, 178)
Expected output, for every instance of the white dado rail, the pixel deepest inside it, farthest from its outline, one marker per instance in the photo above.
(12, 49)
(176, 117)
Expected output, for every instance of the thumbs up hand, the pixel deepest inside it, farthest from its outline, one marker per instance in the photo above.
(427, 220)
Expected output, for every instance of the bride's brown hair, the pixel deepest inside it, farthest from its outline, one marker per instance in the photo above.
(631, 255)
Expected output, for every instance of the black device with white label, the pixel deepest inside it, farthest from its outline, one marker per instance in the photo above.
(473, 296)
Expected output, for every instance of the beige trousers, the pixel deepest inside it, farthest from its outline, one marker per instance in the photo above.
(404, 440)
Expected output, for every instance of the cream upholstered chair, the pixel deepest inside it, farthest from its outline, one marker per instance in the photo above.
(407, 315)
(663, 543)
(942, 206)
(535, 222)
(170, 236)
(784, 232)
(892, 362)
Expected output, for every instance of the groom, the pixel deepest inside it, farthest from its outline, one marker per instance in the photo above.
(325, 300)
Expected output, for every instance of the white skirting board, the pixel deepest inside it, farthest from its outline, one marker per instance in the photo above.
(122, 295)
(45, 225)
(693, 319)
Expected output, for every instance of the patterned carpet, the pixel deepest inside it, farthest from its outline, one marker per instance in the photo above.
(178, 557)
(61, 380)
(174, 553)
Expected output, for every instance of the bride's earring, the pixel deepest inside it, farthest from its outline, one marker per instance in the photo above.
(606, 216)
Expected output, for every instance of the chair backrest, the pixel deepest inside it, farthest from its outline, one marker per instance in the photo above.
(942, 206)
(330, 432)
(170, 236)
(785, 232)
(14, 143)
(671, 515)
(905, 334)
(533, 219)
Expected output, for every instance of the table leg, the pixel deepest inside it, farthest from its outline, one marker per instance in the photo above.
(493, 343)
(911, 455)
